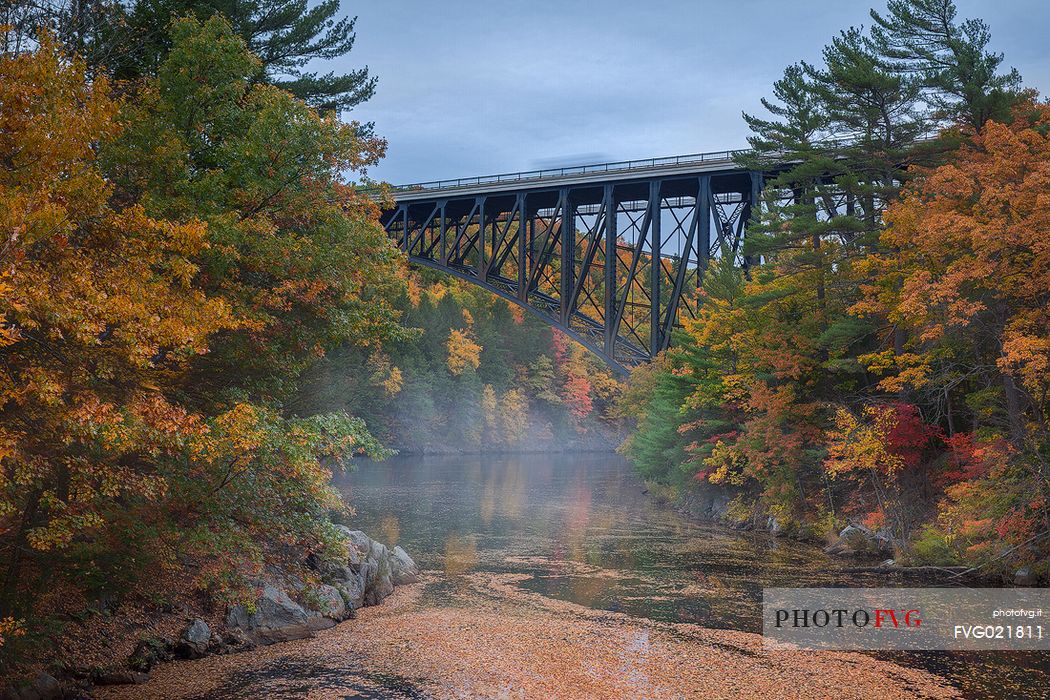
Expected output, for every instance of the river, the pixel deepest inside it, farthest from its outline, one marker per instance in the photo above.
(528, 514)
(558, 576)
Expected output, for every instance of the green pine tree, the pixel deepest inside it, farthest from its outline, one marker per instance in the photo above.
(286, 36)
(951, 61)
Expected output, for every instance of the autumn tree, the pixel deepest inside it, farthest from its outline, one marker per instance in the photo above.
(296, 252)
(100, 316)
(969, 280)
(886, 450)
(463, 351)
(171, 266)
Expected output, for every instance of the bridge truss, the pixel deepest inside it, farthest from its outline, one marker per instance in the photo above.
(614, 258)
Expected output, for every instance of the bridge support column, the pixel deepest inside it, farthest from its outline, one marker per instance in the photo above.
(482, 236)
(610, 271)
(753, 205)
(523, 230)
(703, 213)
(568, 255)
(403, 214)
(442, 227)
(655, 268)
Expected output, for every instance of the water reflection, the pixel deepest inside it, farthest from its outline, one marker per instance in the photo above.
(390, 529)
(584, 531)
(461, 554)
(580, 529)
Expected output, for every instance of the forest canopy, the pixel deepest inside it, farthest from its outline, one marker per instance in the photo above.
(883, 360)
(202, 318)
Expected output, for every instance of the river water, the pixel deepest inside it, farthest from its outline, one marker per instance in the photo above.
(580, 528)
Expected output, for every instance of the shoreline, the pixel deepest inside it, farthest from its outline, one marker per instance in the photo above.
(490, 638)
(882, 563)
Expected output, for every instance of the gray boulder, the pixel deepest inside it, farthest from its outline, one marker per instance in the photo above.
(1023, 577)
(354, 537)
(402, 569)
(330, 602)
(373, 563)
(43, 687)
(353, 590)
(349, 583)
(773, 525)
(856, 538)
(194, 640)
(277, 618)
(381, 585)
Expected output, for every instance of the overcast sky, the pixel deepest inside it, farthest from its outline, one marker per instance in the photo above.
(491, 86)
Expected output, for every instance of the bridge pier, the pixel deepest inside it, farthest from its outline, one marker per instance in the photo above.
(609, 297)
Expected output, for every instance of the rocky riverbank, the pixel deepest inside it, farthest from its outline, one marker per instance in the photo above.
(287, 607)
(481, 635)
(875, 551)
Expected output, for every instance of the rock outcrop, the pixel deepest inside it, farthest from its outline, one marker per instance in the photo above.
(402, 569)
(857, 539)
(195, 639)
(276, 618)
(367, 576)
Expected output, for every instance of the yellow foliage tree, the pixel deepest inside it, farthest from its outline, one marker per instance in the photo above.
(514, 416)
(100, 316)
(463, 351)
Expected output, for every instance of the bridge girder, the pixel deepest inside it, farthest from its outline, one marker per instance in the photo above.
(615, 263)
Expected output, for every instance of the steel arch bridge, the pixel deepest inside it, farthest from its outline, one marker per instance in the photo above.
(612, 254)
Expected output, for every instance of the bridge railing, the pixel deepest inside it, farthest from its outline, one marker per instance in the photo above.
(550, 173)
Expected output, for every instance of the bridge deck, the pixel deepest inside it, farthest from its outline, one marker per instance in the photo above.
(612, 254)
(573, 175)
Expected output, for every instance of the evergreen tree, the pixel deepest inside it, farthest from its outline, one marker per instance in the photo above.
(950, 60)
(800, 199)
(286, 36)
(130, 39)
(875, 113)
(800, 123)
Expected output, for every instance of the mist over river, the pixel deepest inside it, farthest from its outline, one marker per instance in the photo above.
(557, 576)
(580, 528)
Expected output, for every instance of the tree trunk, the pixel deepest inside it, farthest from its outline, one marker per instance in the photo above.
(18, 544)
(1014, 411)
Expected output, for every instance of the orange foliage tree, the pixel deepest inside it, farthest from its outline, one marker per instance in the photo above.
(968, 278)
(100, 315)
(463, 350)
(169, 266)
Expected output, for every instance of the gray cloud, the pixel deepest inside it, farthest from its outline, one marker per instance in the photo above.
(472, 88)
